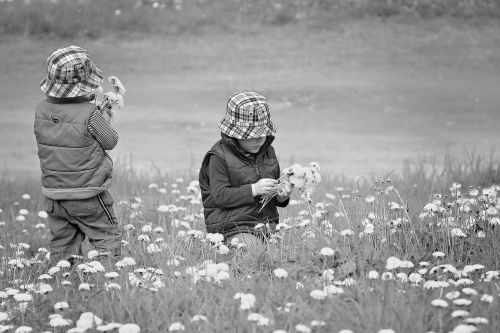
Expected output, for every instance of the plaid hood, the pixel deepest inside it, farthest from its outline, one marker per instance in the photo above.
(247, 117)
(71, 73)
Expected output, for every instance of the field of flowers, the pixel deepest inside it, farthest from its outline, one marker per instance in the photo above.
(373, 255)
(95, 18)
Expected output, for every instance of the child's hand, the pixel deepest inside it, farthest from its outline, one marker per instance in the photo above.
(283, 191)
(263, 186)
(107, 117)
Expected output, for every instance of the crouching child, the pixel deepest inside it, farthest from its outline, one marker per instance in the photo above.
(239, 169)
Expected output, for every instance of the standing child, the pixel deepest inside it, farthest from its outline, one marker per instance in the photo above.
(72, 137)
(238, 170)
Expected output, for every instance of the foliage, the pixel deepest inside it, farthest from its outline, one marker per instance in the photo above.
(96, 18)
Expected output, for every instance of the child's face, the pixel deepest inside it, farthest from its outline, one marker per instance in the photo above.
(251, 145)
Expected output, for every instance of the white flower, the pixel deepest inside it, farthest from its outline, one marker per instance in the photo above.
(257, 317)
(302, 328)
(370, 199)
(452, 295)
(111, 275)
(392, 263)
(174, 327)
(462, 301)
(462, 328)
(23, 297)
(215, 238)
(4, 316)
(415, 278)
(127, 261)
(280, 273)
(143, 238)
(43, 214)
(457, 232)
(63, 264)
(431, 207)
(347, 232)
(56, 320)
(153, 248)
(84, 286)
(318, 294)
(431, 284)
(129, 328)
(349, 282)
(469, 291)
(158, 230)
(147, 228)
(476, 321)
(439, 303)
(23, 329)
(317, 323)
(386, 330)
(112, 286)
(20, 218)
(247, 300)
(23, 212)
(328, 274)
(326, 251)
(373, 275)
(222, 249)
(459, 313)
(332, 290)
(198, 318)
(438, 254)
(61, 305)
(486, 298)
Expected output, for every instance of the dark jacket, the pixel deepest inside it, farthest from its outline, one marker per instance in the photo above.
(226, 176)
(74, 166)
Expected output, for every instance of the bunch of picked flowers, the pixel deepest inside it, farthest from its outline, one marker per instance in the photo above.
(296, 177)
(112, 98)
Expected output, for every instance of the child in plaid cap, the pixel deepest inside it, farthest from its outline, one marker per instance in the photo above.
(72, 137)
(239, 169)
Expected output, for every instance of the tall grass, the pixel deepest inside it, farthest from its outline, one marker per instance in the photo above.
(95, 18)
(340, 205)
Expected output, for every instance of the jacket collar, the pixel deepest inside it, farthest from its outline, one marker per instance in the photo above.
(232, 143)
(70, 100)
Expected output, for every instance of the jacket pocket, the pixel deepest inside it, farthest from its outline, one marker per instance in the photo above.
(224, 226)
(49, 205)
(106, 202)
(80, 208)
(107, 198)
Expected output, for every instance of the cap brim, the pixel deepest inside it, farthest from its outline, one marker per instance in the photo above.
(83, 88)
(250, 132)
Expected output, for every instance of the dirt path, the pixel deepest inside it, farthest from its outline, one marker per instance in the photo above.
(359, 99)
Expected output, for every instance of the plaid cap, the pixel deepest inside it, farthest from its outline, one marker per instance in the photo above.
(71, 73)
(247, 117)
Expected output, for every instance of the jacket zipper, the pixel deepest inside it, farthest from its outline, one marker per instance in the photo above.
(256, 167)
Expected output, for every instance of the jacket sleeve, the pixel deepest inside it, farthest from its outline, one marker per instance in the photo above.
(225, 195)
(102, 131)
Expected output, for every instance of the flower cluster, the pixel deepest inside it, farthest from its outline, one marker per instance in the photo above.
(298, 177)
(112, 98)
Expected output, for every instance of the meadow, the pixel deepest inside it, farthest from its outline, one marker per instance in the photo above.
(413, 254)
(397, 100)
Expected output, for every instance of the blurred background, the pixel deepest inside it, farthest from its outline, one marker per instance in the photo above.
(363, 87)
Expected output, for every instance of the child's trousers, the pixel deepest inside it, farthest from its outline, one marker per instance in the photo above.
(70, 221)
